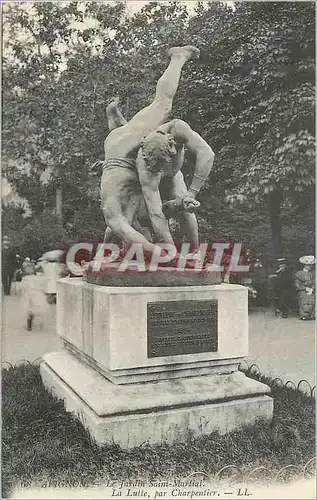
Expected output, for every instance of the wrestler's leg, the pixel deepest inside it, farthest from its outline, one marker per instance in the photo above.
(108, 235)
(190, 225)
(121, 141)
(168, 83)
(114, 115)
(157, 112)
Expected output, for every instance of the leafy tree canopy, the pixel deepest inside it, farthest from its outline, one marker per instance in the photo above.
(251, 96)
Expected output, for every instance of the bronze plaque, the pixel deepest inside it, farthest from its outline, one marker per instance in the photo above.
(182, 327)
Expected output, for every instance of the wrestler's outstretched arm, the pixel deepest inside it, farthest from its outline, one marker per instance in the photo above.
(121, 227)
(150, 182)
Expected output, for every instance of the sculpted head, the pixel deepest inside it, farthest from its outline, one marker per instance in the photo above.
(158, 149)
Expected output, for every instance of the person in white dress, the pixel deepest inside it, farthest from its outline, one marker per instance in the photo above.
(33, 298)
(52, 271)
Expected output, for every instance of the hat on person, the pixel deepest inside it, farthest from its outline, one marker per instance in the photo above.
(307, 260)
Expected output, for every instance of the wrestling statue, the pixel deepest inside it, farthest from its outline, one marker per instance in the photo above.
(144, 154)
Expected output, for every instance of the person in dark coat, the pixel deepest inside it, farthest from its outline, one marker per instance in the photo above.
(8, 265)
(283, 288)
(305, 287)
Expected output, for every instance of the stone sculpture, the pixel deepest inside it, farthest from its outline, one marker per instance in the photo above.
(152, 357)
(144, 153)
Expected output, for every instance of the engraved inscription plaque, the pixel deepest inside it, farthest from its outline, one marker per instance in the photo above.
(182, 327)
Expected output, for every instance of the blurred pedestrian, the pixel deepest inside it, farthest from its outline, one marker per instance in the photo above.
(33, 297)
(258, 263)
(305, 287)
(248, 257)
(52, 272)
(260, 280)
(17, 276)
(246, 278)
(283, 288)
(28, 266)
(8, 265)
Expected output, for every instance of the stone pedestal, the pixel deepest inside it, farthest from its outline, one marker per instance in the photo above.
(154, 364)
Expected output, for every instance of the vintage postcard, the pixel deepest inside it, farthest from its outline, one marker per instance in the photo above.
(158, 249)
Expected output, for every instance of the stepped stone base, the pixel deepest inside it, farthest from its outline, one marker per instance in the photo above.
(154, 364)
(166, 411)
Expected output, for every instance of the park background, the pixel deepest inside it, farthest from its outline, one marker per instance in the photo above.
(251, 96)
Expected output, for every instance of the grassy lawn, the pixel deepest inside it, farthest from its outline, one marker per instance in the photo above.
(45, 446)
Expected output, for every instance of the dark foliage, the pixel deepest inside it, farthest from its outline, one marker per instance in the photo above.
(251, 96)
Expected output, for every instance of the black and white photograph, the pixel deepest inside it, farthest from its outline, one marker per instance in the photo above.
(158, 249)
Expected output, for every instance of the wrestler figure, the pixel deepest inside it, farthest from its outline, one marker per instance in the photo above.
(159, 163)
(161, 155)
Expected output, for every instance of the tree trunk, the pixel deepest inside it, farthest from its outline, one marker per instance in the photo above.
(275, 204)
(59, 205)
